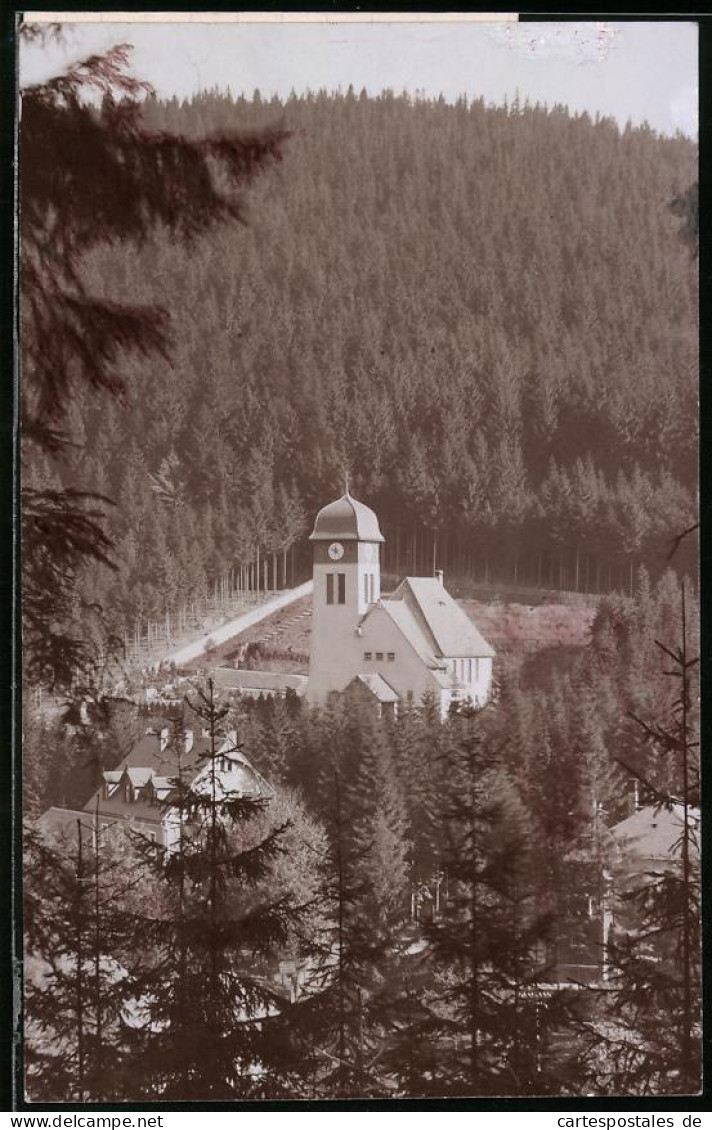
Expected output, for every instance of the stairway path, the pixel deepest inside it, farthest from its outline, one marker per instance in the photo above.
(225, 632)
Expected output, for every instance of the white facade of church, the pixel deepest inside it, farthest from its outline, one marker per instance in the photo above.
(392, 649)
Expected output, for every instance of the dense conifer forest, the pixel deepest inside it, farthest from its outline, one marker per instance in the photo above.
(486, 316)
(505, 813)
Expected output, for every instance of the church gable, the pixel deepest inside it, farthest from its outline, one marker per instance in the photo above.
(392, 645)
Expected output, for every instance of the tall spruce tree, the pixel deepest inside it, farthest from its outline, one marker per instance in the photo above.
(494, 1019)
(211, 1027)
(93, 176)
(646, 1038)
(79, 957)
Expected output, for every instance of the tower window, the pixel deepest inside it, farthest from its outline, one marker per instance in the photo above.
(391, 656)
(371, 583)
(368, 655)
(365, 587)
(336, 593)
(379, 655)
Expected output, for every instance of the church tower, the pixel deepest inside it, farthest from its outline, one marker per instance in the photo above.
(347, 581)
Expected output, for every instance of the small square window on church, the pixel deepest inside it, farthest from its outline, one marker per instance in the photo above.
(379, 655)
(391, 655)
(368, 655)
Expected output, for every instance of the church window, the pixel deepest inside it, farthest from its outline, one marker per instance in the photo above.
(336, 593)
(379, 655)
(469, 670)
(391, 656)
(477, 669)
(368, 655)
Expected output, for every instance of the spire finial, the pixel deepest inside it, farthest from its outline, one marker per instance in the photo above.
(346, 482)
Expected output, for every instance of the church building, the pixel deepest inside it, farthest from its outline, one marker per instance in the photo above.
(387, 649)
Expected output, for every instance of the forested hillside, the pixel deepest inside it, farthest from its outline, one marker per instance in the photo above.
(486, 316)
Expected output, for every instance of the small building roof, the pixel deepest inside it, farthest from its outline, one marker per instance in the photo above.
(655, 833)
(346, 519)
(63, 822)
(452, 633)
(378, 687)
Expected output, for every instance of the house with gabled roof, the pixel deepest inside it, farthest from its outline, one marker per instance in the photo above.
(393, 648)
(139, 794)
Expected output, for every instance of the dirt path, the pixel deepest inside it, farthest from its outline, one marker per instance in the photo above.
(224, 632)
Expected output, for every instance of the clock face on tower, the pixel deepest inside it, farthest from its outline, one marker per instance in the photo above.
(336, 551)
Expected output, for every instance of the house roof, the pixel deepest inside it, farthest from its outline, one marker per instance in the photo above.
(378, 687)
(269, 682)
(346, 519)
(147, 762)
(122, 809)
(654, 833)
(450, 631)
(239, 779)
(168, 762)
(61, 821)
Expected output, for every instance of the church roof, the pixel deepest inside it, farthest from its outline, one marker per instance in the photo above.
(378, 687)
(447, 630)
(417, 637)
(346, 519)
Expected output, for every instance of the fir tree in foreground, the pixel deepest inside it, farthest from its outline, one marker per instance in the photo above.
(492, 1016)
(94, 176)
(645, 1033)
(80, 951)
(211, 1026)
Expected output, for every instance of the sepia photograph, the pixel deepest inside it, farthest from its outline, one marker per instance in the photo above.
(358, 378)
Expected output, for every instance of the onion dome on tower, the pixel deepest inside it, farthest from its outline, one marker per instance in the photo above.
(346, 519)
